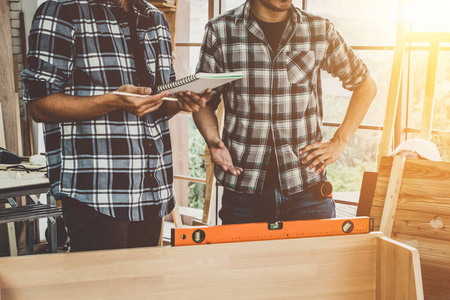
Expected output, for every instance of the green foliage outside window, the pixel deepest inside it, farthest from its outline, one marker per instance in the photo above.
(196, 167)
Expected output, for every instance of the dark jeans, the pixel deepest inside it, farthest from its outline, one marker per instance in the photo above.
(270, 206)
(89, 229)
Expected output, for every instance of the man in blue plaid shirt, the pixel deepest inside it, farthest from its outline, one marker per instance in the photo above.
(109, 156)
(271, 158)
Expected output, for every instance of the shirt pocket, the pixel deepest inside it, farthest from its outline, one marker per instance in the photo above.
(300, 66)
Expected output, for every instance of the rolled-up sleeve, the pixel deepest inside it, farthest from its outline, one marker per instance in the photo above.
(50, 55)
(210, 62)
(340, 60)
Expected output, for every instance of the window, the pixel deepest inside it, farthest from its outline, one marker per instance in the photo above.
(370, 27)
(189, 145)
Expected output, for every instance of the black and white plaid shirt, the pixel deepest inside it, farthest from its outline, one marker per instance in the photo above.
(283, 94)
(118, 163)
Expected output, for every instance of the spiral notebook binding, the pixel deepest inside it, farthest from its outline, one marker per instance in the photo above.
(176, 83)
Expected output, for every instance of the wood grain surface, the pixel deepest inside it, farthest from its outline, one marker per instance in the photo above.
(422, 218)
(343, 267)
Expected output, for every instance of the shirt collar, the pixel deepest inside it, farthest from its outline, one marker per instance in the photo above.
(242, 13)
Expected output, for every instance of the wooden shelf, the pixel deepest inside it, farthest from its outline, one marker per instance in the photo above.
(163, 4)
(170, 13)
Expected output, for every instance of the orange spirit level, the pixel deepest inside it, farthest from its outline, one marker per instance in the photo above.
(269, 231)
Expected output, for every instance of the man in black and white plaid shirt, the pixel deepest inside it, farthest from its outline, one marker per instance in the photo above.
(271, 159)
(109, 156)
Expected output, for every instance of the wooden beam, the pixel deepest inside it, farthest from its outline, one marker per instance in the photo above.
(392, 194)
(189, 178)
(10, 106)
(2, 129)
(210, 178)
(392, 101)
(442, 37)
(428, 102)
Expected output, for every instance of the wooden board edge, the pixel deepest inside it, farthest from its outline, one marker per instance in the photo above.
(392, 194)
(399, 275)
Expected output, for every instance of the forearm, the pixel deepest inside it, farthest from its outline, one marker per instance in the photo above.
(359, 104)
(57, 108)
(172, 108)
(207, 124)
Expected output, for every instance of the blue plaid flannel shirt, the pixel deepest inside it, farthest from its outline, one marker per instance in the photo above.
(119, 164)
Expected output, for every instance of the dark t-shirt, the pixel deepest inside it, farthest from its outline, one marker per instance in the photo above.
(273, 33)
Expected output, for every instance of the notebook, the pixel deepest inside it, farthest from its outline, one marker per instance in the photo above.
(199, 82)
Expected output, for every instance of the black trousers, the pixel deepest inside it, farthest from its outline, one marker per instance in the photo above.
(89, 229)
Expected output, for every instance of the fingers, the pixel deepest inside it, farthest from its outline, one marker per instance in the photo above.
(308, 148)
(132, 89)
(149, 108)
(222, 158)
(231, 169)
(316, 159)
(314, 156)
(192, 102)
(319, 155)
(139, 105)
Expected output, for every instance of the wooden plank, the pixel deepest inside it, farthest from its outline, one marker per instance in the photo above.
(443, 37)
(18, 129)
(10, 106)
(435, 277)
(422, 217)
(189, 178)
(311, 268)
(393, 96)
(422, 224)
(12, 239)
(398, 271)
(2, 129)
(210, 178)
(392, 193)
(428, 103)
(177, 217)
(209, 188)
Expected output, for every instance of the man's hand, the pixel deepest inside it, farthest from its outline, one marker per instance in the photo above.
(221, 157)
(192, 102)
(139, 106)
(322, 154)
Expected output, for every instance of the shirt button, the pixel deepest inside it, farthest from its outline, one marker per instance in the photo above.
(150, 144)
(132, 55)
(123, 25)
(151, 175)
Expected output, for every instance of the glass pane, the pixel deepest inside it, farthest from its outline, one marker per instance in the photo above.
(442, 143)
(430, 16)
(441, 112)
(359, 156)
(186, 60)
(188, 147)
(230, 4)
(336, 98)
(360, 22)
(197, 146)
(192, 16)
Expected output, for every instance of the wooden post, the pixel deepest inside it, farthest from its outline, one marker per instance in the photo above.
(428, 102)
(10, 106)
(393, 191)
(393, 95)
(210, 179)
